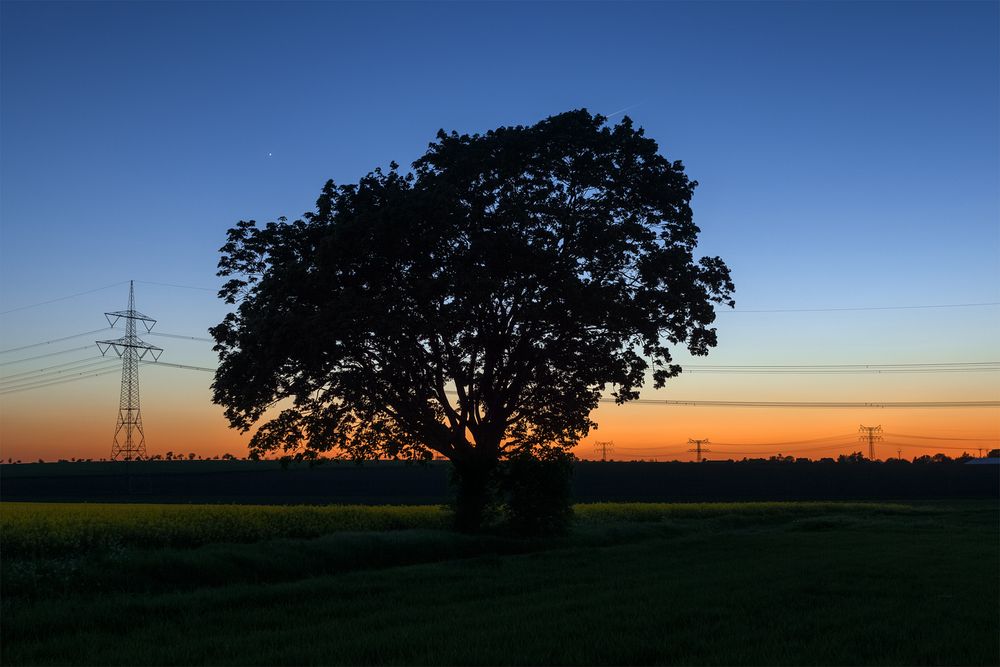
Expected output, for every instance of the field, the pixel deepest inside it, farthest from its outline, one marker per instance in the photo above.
(394, 483)
(712, 583)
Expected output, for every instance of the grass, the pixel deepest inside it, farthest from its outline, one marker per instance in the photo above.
(760, 583)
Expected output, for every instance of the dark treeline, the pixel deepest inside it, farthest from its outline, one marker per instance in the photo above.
(313, 459)
(267, 482)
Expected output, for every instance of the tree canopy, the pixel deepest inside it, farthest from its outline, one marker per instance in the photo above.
(476, 306)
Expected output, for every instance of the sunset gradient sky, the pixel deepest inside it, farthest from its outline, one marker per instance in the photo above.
(848, 156)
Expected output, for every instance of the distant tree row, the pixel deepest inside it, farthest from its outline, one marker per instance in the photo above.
(314, 459)
(855, 458)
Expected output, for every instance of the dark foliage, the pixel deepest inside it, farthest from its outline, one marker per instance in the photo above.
(476, 307)
(538, 494)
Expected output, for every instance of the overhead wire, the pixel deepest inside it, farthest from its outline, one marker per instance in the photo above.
(816, 404)
(48, 368)
(863, 308)
(46, 355)
(62, 298)
(835, 366)
(51, 375)
(934, 437)
(785, 442)
(763, 404)
(51, 383)
(100, 289)
(845, 371)
(49, 379)
(911, 445)
(755, 310)
(192, 287)
(205, 369)
(54, 340)
(179, 336)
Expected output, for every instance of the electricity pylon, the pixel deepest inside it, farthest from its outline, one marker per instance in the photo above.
(872, 434)
(604, 448)
(130, 441)
(698, 447)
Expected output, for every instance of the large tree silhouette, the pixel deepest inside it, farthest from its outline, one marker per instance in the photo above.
(476, 307)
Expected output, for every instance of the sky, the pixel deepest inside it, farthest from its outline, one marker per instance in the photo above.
(847, 154)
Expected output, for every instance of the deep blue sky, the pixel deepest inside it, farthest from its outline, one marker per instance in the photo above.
(847, 152)
(133, 134)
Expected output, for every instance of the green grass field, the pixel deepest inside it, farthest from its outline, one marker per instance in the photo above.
(750, 583)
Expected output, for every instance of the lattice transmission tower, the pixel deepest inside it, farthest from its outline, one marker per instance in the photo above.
(698, 448)
(604, 448)
(130, 441)
(872, 434)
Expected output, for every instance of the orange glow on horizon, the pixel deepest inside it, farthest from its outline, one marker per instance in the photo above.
(639, 431)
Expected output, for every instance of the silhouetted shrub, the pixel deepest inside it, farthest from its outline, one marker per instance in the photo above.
(537, 493)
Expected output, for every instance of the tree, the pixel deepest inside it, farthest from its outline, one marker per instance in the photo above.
(477, 307)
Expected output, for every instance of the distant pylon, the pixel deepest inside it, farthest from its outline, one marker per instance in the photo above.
(698, 448)
(603, 448)
(872, 434)
(130, 441)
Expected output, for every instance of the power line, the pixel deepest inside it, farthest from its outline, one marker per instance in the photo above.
(46, 355)
(892, 365)
(844, 371)
(179, 336)
(839, 445)
(646, 449)
(786, 442)
(934, 437)
(862, 308)
(911, 445)
(37, 375)
(99, 289)
(950, 367)
(817, 404)
(648, 453)
(756, 404)
(194, 287)
(54, 340)
(51, 383)
(46, 368)
(62, 298)
(663, 456)
(205, 369)
(785, 450)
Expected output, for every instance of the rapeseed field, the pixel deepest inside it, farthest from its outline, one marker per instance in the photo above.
(54, 529)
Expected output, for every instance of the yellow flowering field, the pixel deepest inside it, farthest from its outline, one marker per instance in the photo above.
(52, 529)
(59, 529)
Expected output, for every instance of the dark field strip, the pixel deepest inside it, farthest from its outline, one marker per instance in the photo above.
(387, 482)
(837, 587)
(60, 549)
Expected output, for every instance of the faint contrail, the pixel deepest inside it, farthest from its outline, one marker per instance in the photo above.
(615, 113)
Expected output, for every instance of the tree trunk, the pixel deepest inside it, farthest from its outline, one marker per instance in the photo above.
(475, 493)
